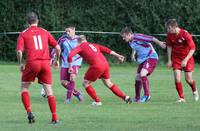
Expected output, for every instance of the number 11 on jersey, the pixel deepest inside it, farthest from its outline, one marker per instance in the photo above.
(38, 42)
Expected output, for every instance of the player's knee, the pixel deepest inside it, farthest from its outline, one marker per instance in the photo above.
(48, 90)
(25, 86)
(85, 84)
(64, 83)
(73, 77)
(108, 84)
(137, 78)
(143, 73)
(177, 80)
(189, 81)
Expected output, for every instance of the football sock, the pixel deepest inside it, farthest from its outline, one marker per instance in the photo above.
(145, 84)
(138, 87)
(70, 88)
(26, 100)
(92, 93)
(179, 89)
(76, 92)
(117, 91)
(52, 106)
(193, 86)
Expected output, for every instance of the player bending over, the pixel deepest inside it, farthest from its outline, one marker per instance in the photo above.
(146, 57)
(98, 68)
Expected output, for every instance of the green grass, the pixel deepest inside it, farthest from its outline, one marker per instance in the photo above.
(160, 114)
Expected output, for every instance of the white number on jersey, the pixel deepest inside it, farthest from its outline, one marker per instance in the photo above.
(93, 48)
(38, 42)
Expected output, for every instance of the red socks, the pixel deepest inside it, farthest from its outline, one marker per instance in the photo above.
(92, 93)
(117, 91)
(52, 106)
(26, 100)
(179, 89)
(193, 86)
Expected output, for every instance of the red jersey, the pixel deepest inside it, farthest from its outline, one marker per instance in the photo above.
(181, 43)
(91, 53)
(35, 41)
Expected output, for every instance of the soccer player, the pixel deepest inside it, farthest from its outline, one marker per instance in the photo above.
(67, 42)
(35, 41)
(99, 68)
(180, 48)
(144, 53)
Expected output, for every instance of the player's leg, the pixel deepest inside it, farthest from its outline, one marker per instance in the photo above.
(138, 87)
(73, 76)
(145, 84)
(28, 76)
(179, 88)
(192, 84)
(51, 102)
(45, 77)
(64, 80)
(116, 90)
(26, 100)
(91, 92)
(147, 68)
(91, 75)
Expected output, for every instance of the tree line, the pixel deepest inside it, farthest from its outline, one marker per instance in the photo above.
(144, 16)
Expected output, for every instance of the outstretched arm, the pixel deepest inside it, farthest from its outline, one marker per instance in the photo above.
(118, 56)
(75, 51)
(160, 43)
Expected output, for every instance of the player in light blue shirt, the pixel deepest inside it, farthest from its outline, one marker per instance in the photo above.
(67, 42)
(144, 53)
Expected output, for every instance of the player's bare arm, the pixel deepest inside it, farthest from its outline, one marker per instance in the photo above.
(133, 58)
(169, 53)
(19, 59)
(56, 62)
(160, 43)
(70, 70)
(185, 61)
(118, 56)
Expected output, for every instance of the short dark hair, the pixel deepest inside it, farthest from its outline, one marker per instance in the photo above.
(32, 17)
(71, 26)
(81, 38)
(126, 30)
(171, 22)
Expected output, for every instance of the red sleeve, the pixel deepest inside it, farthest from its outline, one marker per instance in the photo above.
(75, 51)
(104, 49)
(52, 42)
(168, 41)
(190, 41)
(20, 43)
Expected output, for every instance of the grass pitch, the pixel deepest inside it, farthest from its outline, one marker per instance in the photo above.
(160, 114)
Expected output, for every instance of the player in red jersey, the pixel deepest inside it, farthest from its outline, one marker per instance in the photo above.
(99, 68)
(180, 48)
(35, 41)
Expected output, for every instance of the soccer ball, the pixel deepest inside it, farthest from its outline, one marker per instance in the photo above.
(43, 93)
